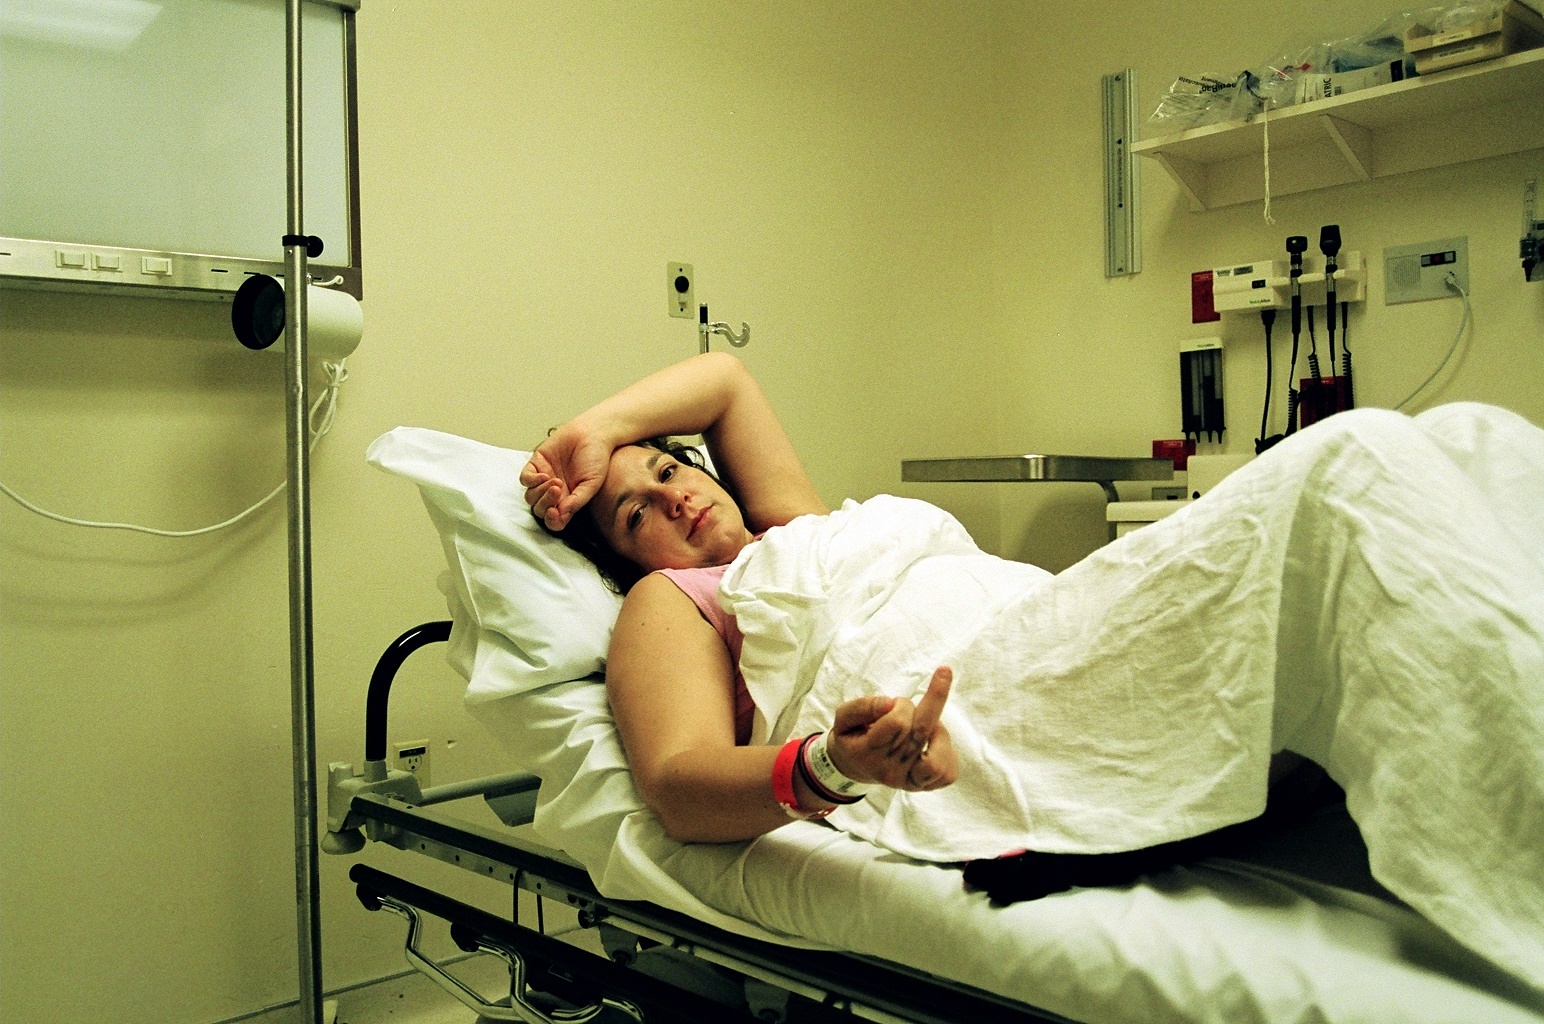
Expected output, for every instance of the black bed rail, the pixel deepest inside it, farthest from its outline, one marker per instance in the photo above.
(511, 796)
(386, 667)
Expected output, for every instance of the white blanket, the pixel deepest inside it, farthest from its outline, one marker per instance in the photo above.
(1369, 593)
(1221, 942)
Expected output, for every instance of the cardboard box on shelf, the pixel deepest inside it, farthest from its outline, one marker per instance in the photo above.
(1514, 27)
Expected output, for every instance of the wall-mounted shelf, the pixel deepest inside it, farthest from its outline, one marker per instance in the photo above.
(1468, 113)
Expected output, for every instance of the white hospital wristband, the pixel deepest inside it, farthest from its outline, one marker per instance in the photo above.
(825, 778)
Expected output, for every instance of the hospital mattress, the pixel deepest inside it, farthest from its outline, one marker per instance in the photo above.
(1294, 930)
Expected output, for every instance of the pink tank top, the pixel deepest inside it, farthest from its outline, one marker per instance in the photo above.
(701, 585)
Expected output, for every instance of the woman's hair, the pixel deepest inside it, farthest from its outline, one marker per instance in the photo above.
(584, 536)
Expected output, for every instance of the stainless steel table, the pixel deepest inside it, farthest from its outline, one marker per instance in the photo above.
(1030, 468)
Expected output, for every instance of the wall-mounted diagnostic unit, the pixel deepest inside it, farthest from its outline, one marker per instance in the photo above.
(1266, 284)
(143, 145)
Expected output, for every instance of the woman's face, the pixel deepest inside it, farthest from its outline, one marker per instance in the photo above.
(662, 514)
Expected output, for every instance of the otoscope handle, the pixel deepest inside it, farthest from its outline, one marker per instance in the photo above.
(1296, 246)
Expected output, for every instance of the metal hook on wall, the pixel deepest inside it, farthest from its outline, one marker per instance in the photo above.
(705, 329)
(737, 340)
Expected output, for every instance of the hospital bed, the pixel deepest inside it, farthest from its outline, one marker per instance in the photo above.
(808, 923)
(548, 976)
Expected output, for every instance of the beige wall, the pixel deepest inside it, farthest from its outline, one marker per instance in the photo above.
(1095, 361)
(527, 174)
(903, 201)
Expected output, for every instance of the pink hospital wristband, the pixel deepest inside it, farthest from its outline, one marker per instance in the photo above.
(783, 791)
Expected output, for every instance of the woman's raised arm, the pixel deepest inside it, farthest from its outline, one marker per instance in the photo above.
(712, 395)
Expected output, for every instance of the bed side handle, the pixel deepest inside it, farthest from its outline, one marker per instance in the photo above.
(519, 1009)
(343, 835)
(577, 974)
(386, 667)
(473, 940)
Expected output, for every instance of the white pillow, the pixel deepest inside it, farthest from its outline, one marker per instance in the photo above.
(526, 610)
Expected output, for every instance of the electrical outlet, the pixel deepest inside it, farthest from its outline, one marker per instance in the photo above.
(1415, 273)
(678, 288)
(413, 756)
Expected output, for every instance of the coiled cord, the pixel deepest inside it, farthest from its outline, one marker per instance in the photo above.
(1345, 353)
(1313, 348)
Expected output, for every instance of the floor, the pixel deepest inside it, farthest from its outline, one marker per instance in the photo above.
(412, 998)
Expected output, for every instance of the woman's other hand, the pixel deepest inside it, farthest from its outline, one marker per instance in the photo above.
(565, 472)
(891, 741)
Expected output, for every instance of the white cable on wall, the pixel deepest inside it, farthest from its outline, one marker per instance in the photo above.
(1451, 280)
(327, 405)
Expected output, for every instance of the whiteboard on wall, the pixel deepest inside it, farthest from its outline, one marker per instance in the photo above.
(142, 143)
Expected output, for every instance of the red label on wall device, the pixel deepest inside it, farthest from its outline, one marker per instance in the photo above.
(1179, 450)
(1201, 309)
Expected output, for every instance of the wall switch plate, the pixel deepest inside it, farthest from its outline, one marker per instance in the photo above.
(1415, 273)
(413, 756)
(678, 288)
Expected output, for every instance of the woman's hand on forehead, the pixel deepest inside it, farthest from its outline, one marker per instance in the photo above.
(564, 473)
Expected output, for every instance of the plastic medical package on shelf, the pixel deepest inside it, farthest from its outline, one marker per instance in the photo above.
(1324, 69)
(1469, 32)
(1194, 102)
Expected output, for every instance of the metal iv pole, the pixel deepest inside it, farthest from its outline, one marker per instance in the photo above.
(297, 247)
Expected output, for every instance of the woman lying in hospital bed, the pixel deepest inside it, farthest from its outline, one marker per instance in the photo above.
(1369, 596)
(1201, 602)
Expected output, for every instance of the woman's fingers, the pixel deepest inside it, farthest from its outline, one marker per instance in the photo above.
(539, 492)
(572, 466)
(892, 734)
(557, 486)
(938, 766)
(931, 707)
(917, 723)
(859, 713)
(543, 499)
(865, 734)
(897, 743)
(889, 746)
(542, 488)
(580, 492)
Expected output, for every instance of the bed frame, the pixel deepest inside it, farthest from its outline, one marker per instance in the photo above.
(660, 965)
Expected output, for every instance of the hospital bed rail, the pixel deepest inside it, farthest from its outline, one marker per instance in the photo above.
(779, 982)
